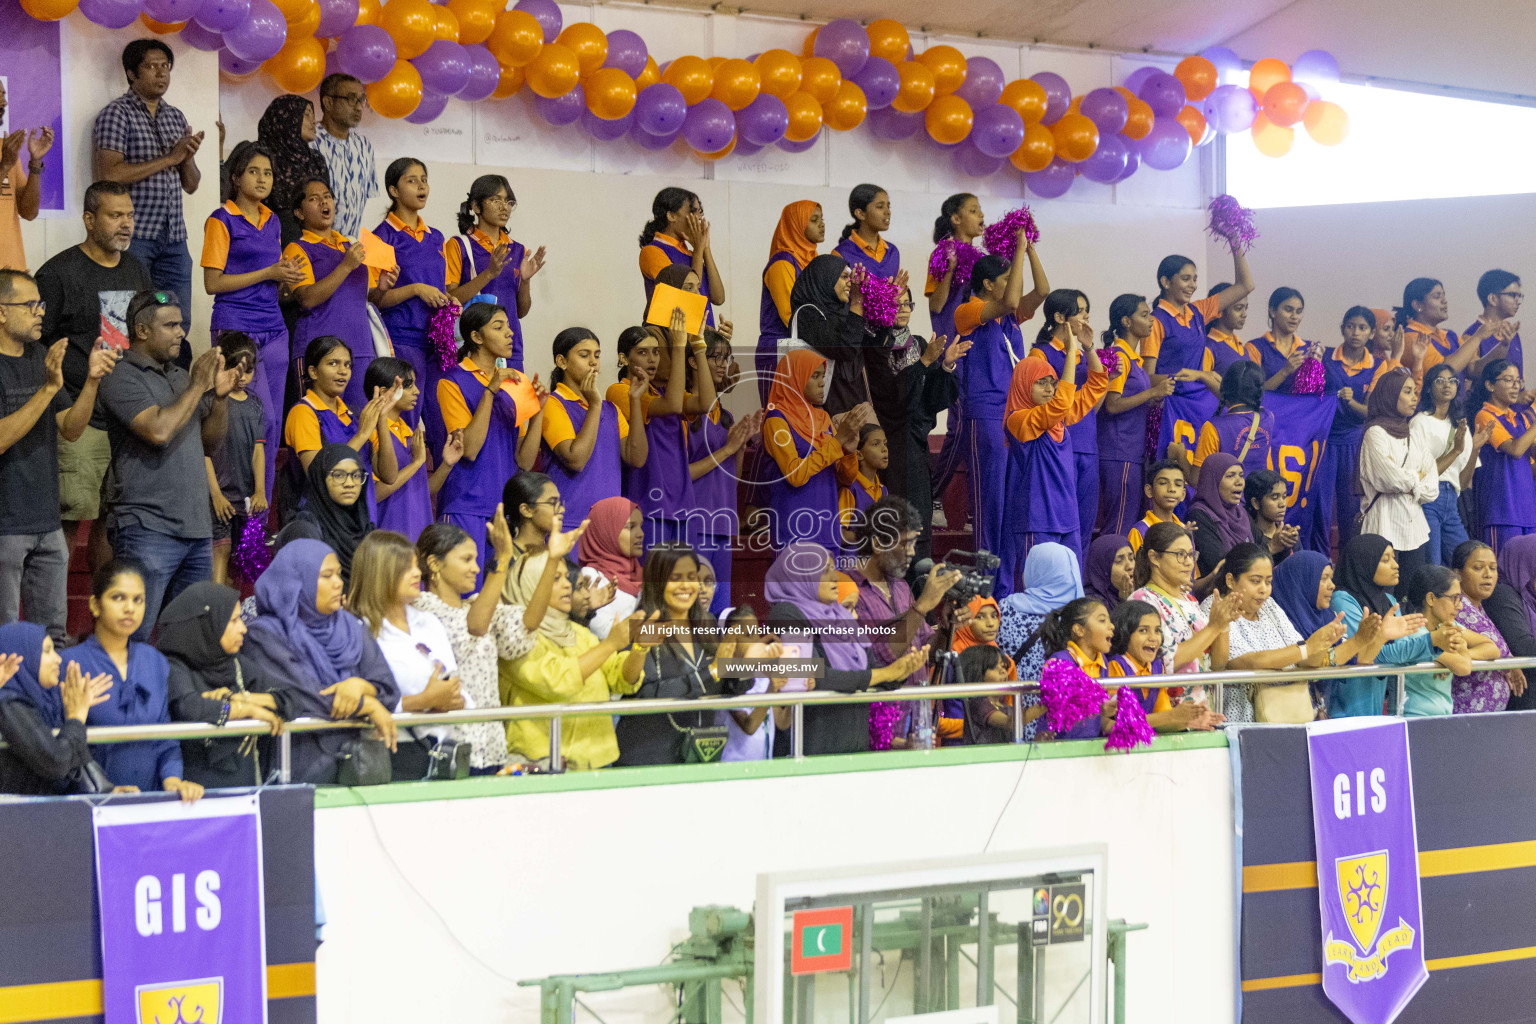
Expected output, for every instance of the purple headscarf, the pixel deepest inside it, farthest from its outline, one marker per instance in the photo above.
(795, 579)
(1517, 567)
(26, 639)
(1101, 559)
(331, 644)
(1231, 521)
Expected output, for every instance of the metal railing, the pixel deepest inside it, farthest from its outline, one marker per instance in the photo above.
(797, 700)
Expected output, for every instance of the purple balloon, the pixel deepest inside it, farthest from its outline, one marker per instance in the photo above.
(171, 11)
(605, 131)
(1107, 109)
(972, 161)
(546, 13)
(336, 16)
(261, 35)
(845, 43)
(111, 13)
(1317, 67)
(1132, 162)
(1138, 78)
(984, 82)
(798, 147)
(444, 68)
(484, 74)
(199, 38)
(431, 105)
(892, 125)
(1225, 60)
(1053, 181)
(660, 109)
(880, 81)
(997, 130)
(1107, 164)
(1166, 146)
(709, 126)
(561, 110)
(647, 140)
(763, 121)
(366, 52)
(1058, 96)
(232, 65)
(1231, 108)
(221, 15)
(745, 148)
(1163, 93)
(627, 52)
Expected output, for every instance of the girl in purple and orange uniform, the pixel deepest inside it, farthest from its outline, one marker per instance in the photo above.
(861, 244)
(1063, 310)
(585, 454)
(405, 506)
(1281, 350)
(1242, 427)
(800, 230)
(335, 286)
(422, 285)
(716, 450)
(1122, 423)
(1081, 632)
(678, 233)
(243, 268)
(1134, 652)
(1177, 345)
(1351, 371)
(960, 219)
(476, 397)
(862, 488)
(1502, 485)
(484, 259)
(1226, 347)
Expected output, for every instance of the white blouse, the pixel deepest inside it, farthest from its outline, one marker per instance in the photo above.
(1398, 477)
(1436, 435)
(621, 607)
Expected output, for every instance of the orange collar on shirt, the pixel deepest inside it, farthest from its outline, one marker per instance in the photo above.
(482, 377)
(319, 401)
(564, 390)
(873, 488)
(1183, 318)
(402, 431)
(336, 240)
(1126, 352)
(676, 243)
(877, 253)
(418, 232)
(1269, 336)
(1153, 519)
(1353, 368)
(1438, 333)
(488, 243)
(1227, 338)
(1093, 666)
(262, 213)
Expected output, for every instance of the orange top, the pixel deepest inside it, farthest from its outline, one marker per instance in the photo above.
(216, 234)
(453, 255)
(787, 395)
(450, 400)
(653, 261)
(335, 240)
(1209, 308)
(1028, 421)
(789, 235)
(301, 433)
(557, 427)
(877, 253)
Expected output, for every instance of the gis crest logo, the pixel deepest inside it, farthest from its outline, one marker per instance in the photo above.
(1362, 886)
(182, 1002)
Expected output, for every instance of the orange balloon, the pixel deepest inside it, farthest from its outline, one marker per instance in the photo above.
(949, 119)
(588, 42)
(412, 24)
(1199, 76)
(291, 10)
(804, 117)
(49, 10)
(1285, 103)
(691, 76)
(888, 39)
(298, 66)
(716, 61)
(917, 87)
(718, 154)
(947, 65)
(1076, 138)
(447, 24)
(511, 81)
(779, 71)
(1076, 106)
(554, 72)
(305, 24)
(517, 39)
(477, 19)
(161, 28)
(809, 49)
(651, 75)
(1193, 122)
(1138, 125)
(367, 12)
(820, 77)
(1265, 75)
(1037, 151)
(847, 109)
(610, 93)
(1027, 97)
(1326, 122)
(1272, 139)
(737, 83)
(397, 93)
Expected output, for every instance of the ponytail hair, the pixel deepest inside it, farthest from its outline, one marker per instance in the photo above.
(396, 170)
(1426, 580)
(564, 342)
(1063, 301)
(988, 268)
(1124, 306)
(628, 339)
(1127, 619)
(1239, 560)
(858, 201)
(435, 542)
(1490, 374)
(1056, 630)
(1159, 538)
(481, 189)
(1416, 290)
(943, 227)
(474, 318)
(1242, 384)
(669, 200)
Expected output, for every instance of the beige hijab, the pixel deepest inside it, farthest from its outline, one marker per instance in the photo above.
(522, 581)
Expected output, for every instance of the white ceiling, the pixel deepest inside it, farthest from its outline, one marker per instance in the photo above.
(1479, 45)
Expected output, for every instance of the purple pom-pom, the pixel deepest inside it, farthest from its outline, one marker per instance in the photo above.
(1131, 729)
(882, 723)
(881, 299)
(1309, 377)
(1111, 360)
(965, 254)
(1002, 237)
(1154, 431)
(251, 556)
(443, 333)
(1232, 223)
(1068, 694)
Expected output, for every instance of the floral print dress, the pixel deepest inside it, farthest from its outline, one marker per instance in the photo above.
(477, 658)
(1480, 691)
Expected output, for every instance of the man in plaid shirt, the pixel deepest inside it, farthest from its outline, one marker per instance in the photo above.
(145, 143)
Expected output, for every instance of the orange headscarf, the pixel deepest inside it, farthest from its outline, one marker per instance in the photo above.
(964, 638)
(789, 236)
(787, 395)
(1030, 369)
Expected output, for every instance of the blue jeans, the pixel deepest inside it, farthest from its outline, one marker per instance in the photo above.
(171, 565)
(1446, 529)
(170, 267)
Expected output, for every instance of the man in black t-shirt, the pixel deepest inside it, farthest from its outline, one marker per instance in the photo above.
(35, 413)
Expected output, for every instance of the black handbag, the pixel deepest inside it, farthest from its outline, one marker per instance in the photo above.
(362, 762)
(701, 744)
(447, 759)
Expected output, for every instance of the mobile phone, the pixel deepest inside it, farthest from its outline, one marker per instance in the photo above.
(501, 364)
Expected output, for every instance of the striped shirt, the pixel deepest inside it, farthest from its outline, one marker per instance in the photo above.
(125, 126)
(354, 179)
(1397, 479)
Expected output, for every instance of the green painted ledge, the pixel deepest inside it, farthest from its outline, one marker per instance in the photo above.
(668, 775)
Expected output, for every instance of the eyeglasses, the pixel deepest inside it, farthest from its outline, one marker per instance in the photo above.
(1508, 380)
(555, 502)
(1517, 296)
(358, 99)
(37, 307)
(1183, 556)
(721, 357)
(343, 476)
(497, 201)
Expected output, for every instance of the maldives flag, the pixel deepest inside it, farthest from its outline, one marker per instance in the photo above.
(821, 940)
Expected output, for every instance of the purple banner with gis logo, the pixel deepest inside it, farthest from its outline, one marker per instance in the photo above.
(34, 83)
(182, 929)
(1367, 866)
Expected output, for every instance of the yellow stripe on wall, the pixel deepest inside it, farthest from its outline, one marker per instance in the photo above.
(1463, 860)
(1445, 963)
(24, 1004)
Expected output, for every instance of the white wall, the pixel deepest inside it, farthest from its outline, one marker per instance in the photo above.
(437, 909)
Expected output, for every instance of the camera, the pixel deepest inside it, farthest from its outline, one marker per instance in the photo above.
(977, 572)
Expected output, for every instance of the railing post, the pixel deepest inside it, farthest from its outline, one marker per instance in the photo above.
(556, 754)
(1402, 693)
(1018, 717)
(285, 757)
(1219, 702)
(797, 732)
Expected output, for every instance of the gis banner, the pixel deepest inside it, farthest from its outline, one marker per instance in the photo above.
(182, 922)
(33, 76)
(1367, 866)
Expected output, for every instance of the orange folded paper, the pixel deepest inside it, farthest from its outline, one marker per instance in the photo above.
(379, 254)
(667, 298)
(523, 397)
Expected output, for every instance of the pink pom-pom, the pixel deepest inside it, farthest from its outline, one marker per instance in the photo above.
(1310, 378)
(1131, 729)
(251, 556)
(965, 255)
(1111, 360)
(1069, 695)
(881, 300)
(1002, 237)
(443, 333)
(1232, 223)
(882, 723)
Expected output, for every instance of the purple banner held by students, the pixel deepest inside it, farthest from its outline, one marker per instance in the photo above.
(1367, 867)
(34, 85)
(183, 934)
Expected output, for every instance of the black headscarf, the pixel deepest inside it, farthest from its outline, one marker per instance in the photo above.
(1357, 572)
(343, 527)
(293, 161)
(817, 286)
(832, 330)
(192, 632)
